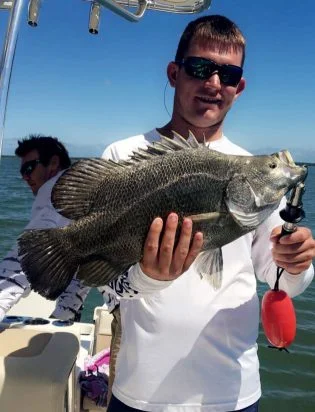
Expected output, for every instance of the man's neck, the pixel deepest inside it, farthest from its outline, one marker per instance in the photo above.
(207, 134)
(53, 173)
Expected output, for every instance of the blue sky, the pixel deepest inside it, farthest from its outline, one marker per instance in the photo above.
(91, 90)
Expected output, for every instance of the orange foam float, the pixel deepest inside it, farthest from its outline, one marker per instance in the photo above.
(278, 318)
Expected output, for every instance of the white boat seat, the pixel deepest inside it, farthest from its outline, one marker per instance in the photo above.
(35, 366)
(102, 332)
(33, 305)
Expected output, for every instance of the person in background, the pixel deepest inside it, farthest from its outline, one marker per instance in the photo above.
(186, 346)
(43, 160)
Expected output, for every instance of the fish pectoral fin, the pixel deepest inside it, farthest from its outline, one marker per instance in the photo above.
(243, 204)
(245, 219)
(209, 265)
(99, 272)
(210, 217)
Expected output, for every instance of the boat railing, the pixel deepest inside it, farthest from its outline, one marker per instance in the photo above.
(124, 8)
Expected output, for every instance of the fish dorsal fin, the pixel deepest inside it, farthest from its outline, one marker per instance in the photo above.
(177, 143)
(163, 146)
(72, 195)
(190, 142)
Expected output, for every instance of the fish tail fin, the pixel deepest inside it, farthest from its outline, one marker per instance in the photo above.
(209, 265)
(45, 262)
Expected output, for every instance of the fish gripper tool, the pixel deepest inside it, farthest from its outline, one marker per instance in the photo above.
(292, 214)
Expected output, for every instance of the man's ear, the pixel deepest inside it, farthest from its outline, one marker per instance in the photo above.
(172, 72)
(54, 166)
(240, 87)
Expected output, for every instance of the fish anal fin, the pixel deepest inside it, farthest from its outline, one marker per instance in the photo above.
(209, 265)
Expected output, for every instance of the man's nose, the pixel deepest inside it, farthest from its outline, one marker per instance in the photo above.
(213, 81)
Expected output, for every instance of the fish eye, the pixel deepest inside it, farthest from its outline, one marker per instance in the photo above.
(272, 165)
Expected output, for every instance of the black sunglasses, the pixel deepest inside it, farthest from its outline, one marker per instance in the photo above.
(28, 167)
(203, 69)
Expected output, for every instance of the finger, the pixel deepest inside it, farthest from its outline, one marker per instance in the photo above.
(194, 250)
(275, 233)
(294, 268)
(300, 235)
(293, 258)
(289, 249)
(182, 248)
(167, 244)
(151, 245)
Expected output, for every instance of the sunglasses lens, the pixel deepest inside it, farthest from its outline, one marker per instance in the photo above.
(198, 68)
(230, 75)
(28, 167)
(202, 69)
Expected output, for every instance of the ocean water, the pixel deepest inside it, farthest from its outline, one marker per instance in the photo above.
(288, 379)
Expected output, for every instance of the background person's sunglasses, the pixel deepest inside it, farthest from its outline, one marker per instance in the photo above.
(202, 69)
(28, 167)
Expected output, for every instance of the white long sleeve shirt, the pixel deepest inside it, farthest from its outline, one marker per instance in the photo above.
(13, 282)
(185, 346)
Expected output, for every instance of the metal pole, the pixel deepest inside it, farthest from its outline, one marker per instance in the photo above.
(125, 13)
(6, 61)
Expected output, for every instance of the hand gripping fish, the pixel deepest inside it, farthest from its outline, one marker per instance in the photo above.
(112, 206)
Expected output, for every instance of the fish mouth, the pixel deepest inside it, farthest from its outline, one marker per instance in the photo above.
(297, 173)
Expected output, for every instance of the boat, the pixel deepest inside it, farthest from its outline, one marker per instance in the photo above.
(41, 358)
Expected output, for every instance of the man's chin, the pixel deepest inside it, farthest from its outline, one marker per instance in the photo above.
(34, 189)
(207, 123)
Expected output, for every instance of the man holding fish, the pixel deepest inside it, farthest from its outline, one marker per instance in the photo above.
(187, 347)
(189, 309)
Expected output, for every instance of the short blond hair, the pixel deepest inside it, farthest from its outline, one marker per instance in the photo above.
(214, 32)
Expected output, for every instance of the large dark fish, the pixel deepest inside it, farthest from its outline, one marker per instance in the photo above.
(113, 204)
